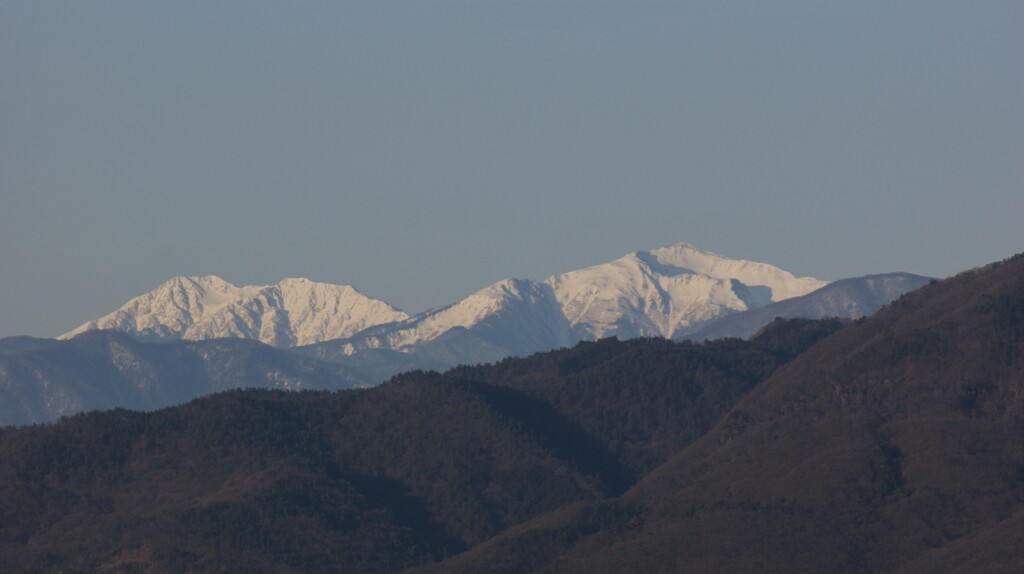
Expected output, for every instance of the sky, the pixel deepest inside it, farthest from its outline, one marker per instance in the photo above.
(419, 151)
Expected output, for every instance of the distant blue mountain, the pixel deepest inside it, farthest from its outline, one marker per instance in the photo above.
(847, 298)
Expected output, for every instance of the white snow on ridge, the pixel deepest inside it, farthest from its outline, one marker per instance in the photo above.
(783, 285)
(645, 293)
(515, 310)
(655, 293)
(292, 312)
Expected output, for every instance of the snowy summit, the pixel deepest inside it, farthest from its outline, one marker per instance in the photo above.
(662, 292)
(292, 312)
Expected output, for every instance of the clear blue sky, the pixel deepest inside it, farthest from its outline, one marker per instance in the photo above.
(422, 150)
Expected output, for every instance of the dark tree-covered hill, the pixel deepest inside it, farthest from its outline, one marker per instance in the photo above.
(375, 480)
(894, 445)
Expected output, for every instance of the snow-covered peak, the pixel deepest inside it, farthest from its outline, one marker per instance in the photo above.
(292, 312)
(644, 293)
(321, 311)
(517, 316)
(167, 311)
(783, 284)
(478, 306)
(685, 256)
(488, 302)
(655, 293)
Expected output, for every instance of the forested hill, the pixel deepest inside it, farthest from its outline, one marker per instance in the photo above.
(377, 480)
(894, 445)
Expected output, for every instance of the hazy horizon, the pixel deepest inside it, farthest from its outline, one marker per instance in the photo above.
(421, 151)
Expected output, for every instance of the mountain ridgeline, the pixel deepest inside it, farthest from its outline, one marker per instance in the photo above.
(672, 292)
(645, 293)
(292, 312)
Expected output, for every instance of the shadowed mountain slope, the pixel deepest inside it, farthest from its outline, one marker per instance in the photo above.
(17, 344)
(847, 298)
(43, 379)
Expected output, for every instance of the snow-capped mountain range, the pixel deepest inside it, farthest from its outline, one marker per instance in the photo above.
(646, 293)
(351, 340)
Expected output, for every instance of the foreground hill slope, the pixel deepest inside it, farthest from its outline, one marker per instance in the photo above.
(896, 444)
(372, 480)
